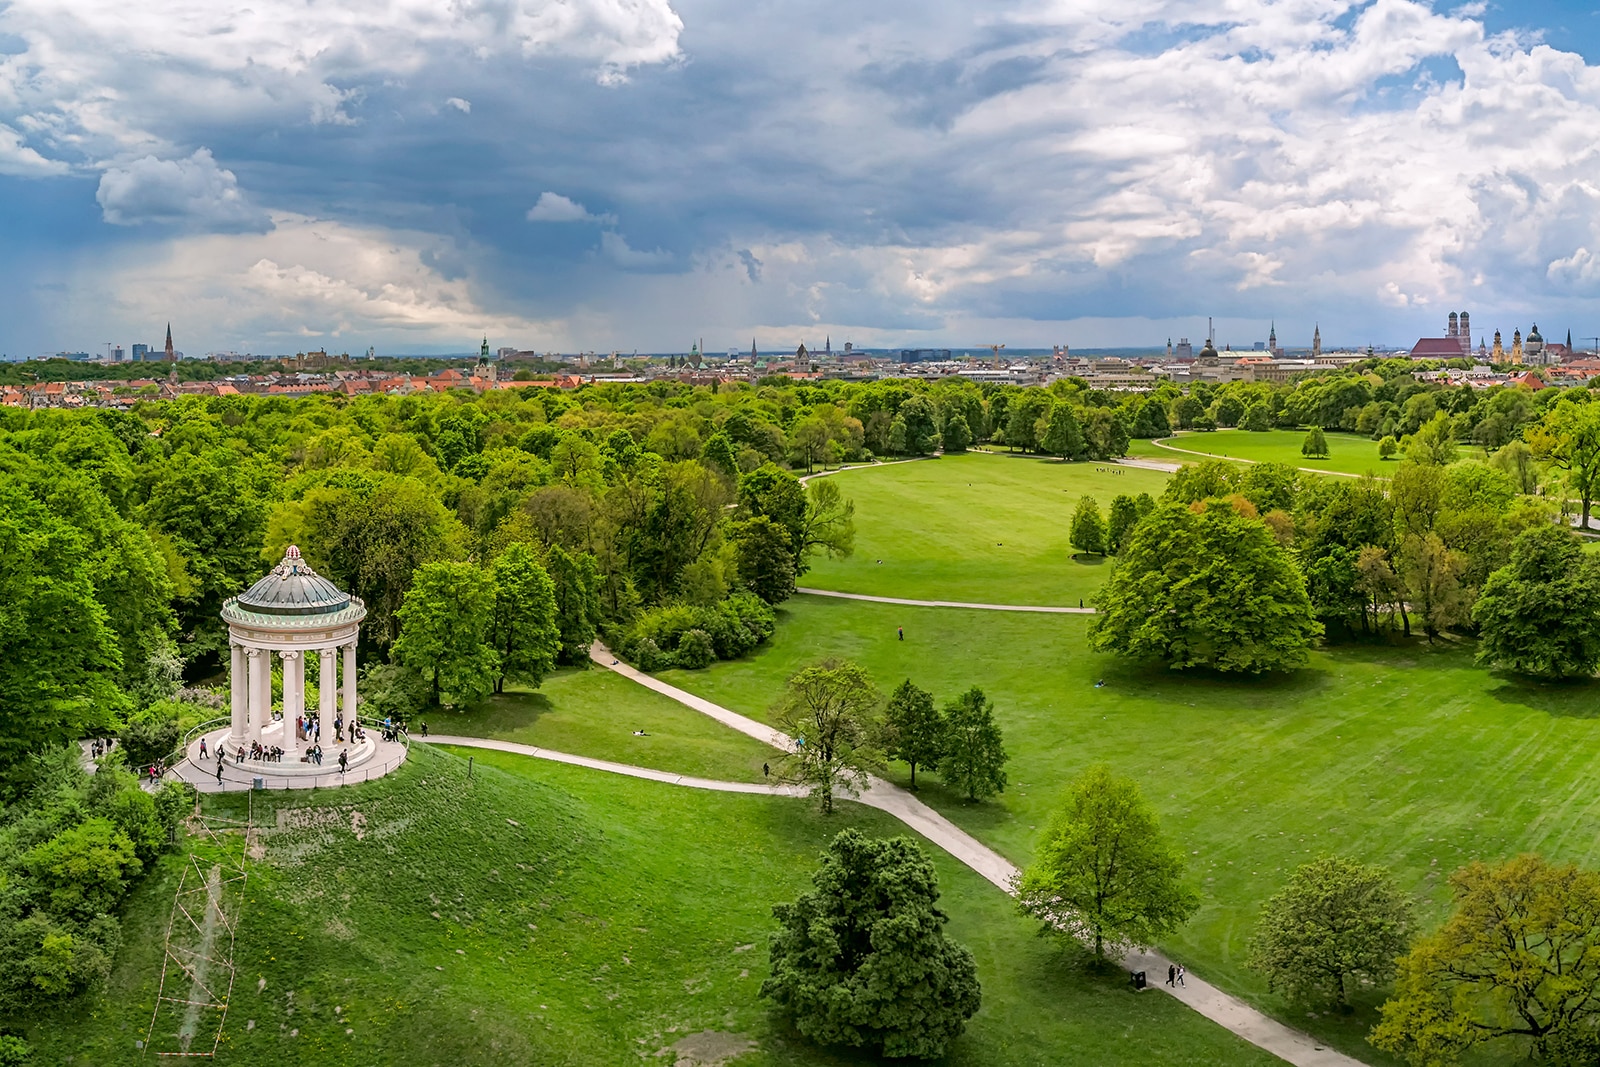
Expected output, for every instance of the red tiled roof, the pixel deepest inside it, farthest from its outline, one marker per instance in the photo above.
(1438, 348)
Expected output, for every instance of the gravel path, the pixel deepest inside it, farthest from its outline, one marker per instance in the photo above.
(946, 603)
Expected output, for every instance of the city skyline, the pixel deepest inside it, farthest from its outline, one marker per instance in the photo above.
(938, 175)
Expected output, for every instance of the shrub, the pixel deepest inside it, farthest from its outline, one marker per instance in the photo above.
(85, 869)
(695, 650)
(151, 734)
(14, 1052)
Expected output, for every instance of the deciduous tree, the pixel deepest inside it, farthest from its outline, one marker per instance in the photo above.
(1540, 614)
(444, 631)
(1315, 445)
(913, 730)
(1103, 871)
(1124, 517)
(862, 959)
(830, 710)
(525, 634)
(1515, 968)
(1088, 528)
(974, 756)
(1063, 436)
(1568, 437)
(1336, 923)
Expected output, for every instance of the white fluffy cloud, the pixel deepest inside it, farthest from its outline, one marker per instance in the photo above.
(193, 192)
(553, 207)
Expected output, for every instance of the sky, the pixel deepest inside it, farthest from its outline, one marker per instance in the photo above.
(565, 175)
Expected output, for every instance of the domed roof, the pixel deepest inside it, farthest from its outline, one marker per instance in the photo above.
(1533, 335)
(293, 588)
(1209, 351)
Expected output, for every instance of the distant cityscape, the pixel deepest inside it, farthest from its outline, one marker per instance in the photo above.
(1528, 359)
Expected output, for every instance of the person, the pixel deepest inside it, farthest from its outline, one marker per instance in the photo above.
(424, 727)
(219, 772)
(1172, 974)
(344, 760)
(1180, 976)
(1080, 602)
(901, 630)
(765, 770)
(202, 748)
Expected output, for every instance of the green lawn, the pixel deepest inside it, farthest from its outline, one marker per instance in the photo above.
(548, 915)
(1348, 453)
(1406, 756)
(595, 713)
(989, 528)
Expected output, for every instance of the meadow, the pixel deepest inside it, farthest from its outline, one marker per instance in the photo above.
(1348, 453)
(981, 527)
(1404, 755)
(547, 915)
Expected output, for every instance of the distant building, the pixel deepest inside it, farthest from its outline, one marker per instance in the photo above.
(141, 353)
(924, 355)
(1455, 344)
(1183, 349)
(117, 354)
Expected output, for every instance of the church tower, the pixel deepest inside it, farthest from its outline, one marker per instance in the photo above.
(171, 356)
(1516, 345)
(1272, 340)
(1498, 353)
(1316, 341)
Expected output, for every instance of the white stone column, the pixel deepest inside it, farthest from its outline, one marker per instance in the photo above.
(328, 689)
(293, 702)
(239, 679)
(348, 677)
(260, 695)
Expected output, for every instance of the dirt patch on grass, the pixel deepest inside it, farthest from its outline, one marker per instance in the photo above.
(708, 1048)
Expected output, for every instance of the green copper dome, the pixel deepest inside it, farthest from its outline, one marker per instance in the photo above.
(293, 588)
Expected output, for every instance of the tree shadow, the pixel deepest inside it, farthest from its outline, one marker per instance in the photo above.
(498, 713)
(1569, 699)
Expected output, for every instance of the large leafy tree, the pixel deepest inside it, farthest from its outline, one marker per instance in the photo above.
(577, 581)
(862, 959)
(1516, 969)
(1315, 445)
(1088, 533)
(829, 709)
(1540, 614)
(1206, 586)
(1568, 437)
(764, 556)
(1124, 517)
(61, 654)
(1063, 436)
(974, 757)
(912, 729)
(445, 629)
(524, 634)
(1103, 872)
(1337, 923)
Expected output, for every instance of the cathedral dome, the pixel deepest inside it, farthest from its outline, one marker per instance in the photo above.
(1533, 335)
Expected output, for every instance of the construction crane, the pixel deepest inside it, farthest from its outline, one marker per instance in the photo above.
(1596, 341)
(996, 350)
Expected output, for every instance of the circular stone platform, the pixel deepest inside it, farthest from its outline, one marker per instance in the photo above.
(369, 759)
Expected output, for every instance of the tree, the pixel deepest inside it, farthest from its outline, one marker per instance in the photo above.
(1088, 528)
(1434, 443)
(957, 434)
(1206, 588)
(1516, 966)
(1337, 922)
(1103, 870)
(576, 582)
(1539, 615)
(1568, 437)
(444, 631)
(525, 635)
(1516, 460)
(913, 730)
(1388, 447)
(1432, 576)
(1203, 480)
(828, 524)
(922, 432)
(1124, 517)
(764, 555)
(1257, 417)
(1063, 436)
(1315, 446)
(974, 757)
(863, 960)
(60, 653)
(1381, 587)
(828, 709)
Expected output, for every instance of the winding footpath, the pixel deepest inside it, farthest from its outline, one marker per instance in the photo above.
(1227, 1011)
(946, 603)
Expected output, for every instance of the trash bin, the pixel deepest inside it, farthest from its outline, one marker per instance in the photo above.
(1138, 980)
(258, 782)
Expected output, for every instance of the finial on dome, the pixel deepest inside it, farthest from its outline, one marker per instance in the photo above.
(292, 552)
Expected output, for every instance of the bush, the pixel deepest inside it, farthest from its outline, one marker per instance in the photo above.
(14, 1052)
(151, 734)
(85, 869)
(694, 636)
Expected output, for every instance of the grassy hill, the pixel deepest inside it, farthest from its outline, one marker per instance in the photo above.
(548, 915)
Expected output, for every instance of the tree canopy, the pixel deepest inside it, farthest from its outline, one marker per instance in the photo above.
(1539, 615)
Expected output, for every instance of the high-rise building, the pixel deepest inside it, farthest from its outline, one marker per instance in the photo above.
(141, 353)
(117, 354)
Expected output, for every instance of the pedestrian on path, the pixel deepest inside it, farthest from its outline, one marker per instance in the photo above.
(766, 771)
(1172, 974)
(1180, 975)
(424, 728)
(219, 772)
(202, 748)
(344, 760)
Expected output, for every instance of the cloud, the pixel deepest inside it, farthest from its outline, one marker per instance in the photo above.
(20, 161)
(192, 192)
(463, 106)
(615, 248)
(553, 207)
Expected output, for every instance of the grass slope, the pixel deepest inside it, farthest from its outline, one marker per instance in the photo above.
(595, 713)
(548, 915)
(1348, 453)
(1410, 757)
(990, 528)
